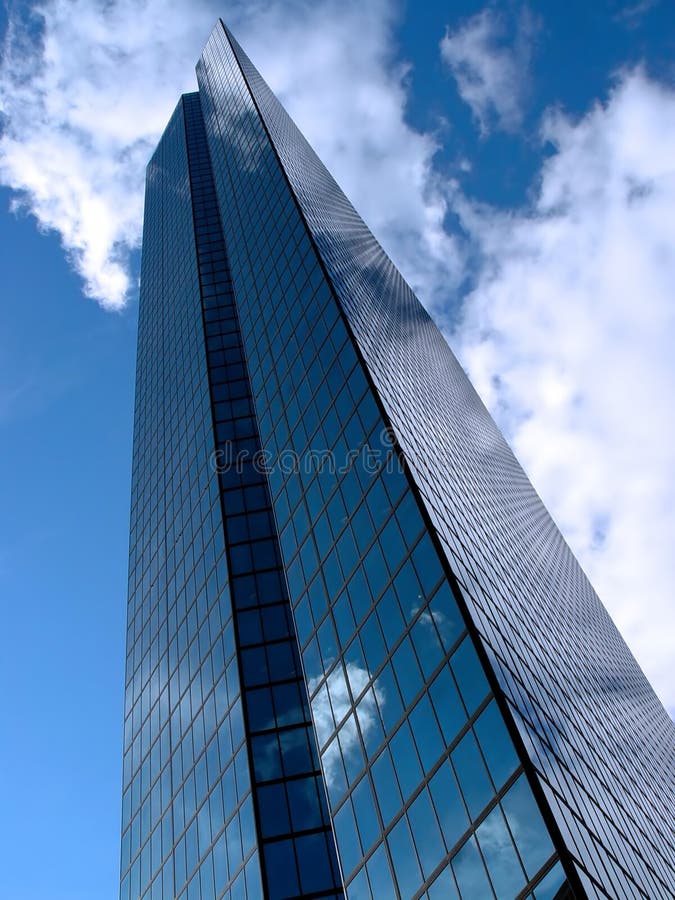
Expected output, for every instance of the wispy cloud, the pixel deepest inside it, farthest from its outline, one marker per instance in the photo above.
(335, 70)
(568, 337)
(87, 88)
(328, 713)
(632, 14)
(492, 66)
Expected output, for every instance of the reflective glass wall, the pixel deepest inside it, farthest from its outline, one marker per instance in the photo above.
(295, 838)
(352, 624)
(426, 791)
(595, 741)
(188, 827)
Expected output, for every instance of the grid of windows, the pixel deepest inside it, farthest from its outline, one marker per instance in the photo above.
(419, 768)
(188, 828)
(295, 836)
(600, 741)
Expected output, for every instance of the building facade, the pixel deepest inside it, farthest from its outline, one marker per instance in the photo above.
(361, 659)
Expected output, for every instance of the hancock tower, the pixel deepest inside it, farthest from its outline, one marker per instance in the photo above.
(361, 659)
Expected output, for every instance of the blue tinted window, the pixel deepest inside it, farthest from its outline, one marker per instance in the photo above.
(274, 817)
(314, 863)
(391, 620)
(284, 882)
(428, 647)
(447, 704)
(407, 671)
(449, 805)
(471, 774)
(496, 744)
(352, 752)
(405, 760)
(470, 873)
(426, 833)
(234, 850)
(369, 721)
(376, 570)
(386, 787)
(427, 565)
(425, 731)
(379, 874)
(295, 751)
(500, 857)
(469, 673)
(373, 644)
(446, 616)
(344, 619)
(358, 888)
(444, 887)
(388, 698)
(408, 591)
(549, 886)
(248, 835)
(303, 802)
(532, 839)
(404, 859)
(347, 837)
(366, 816)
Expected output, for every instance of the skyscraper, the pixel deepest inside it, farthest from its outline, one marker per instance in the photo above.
(361, 659)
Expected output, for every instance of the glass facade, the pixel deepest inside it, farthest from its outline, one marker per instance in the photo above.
(361, 659)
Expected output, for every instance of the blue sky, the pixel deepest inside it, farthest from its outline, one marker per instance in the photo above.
(517, 164)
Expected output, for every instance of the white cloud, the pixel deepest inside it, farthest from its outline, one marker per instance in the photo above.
(492, 73)
(334, 71)
(86, 89)
(85, 103)
(327, 714)
(569, 338)
(632, 14)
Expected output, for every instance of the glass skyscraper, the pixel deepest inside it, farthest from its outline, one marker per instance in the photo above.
(361, 659)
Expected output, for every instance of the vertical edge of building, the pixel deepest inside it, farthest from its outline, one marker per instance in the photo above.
(294, 834)
(186, 781)
(223, 793)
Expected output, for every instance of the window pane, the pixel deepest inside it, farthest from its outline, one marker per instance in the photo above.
(496, 744)
(470, 873)
(347, 838)
(447, 704)
(527, 826)
(405, 760)
(314, 863)
(426, 833)
(366, 816)
(444, 887)
(379, 874)
(550, 885)
(285, 881)
(469, 673)
(495, 842)
(406, 868)
(472, 774)
(386, 787)
(449, 805)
